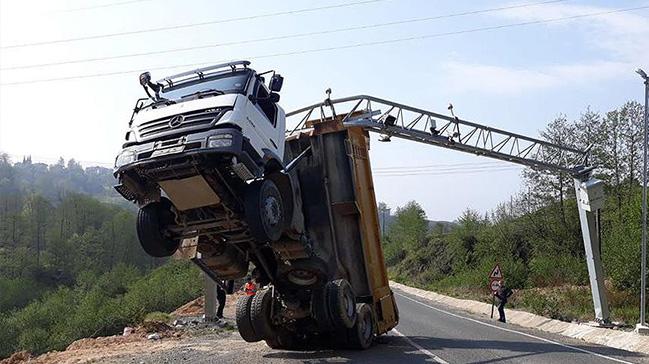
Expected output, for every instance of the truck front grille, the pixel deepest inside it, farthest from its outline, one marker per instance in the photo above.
(171, 124)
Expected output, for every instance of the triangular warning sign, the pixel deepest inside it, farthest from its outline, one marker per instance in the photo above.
(496, 272)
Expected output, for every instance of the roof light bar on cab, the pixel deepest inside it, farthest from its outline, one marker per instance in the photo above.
(200, 72)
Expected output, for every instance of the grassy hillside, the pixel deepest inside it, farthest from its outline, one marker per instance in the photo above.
(70, 264)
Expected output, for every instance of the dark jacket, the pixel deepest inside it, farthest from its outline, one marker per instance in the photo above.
(503, 294)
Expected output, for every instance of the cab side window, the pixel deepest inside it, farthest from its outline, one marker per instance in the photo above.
(263, 104)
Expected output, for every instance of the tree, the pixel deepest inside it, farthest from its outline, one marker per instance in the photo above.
(409, 227)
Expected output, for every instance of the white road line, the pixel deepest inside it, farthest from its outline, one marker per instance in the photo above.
(515, 332)
(420, 348)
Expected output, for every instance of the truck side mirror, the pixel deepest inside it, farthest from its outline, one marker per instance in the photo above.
(274, 97)
(145, 78)
(276, 83)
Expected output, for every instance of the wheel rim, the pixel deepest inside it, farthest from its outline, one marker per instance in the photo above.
(366, 327)
(271, 211)
(302, 277)
(271, 208)
(349, 305)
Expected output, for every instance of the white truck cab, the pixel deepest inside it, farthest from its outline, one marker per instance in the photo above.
(203, 158)
(225, 95)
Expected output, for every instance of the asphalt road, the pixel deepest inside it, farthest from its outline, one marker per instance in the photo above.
(433, 333)
(428, 333)
(442, 334)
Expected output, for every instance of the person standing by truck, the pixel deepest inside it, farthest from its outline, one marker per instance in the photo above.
(503, 293)
(223, 288)
(220, 298)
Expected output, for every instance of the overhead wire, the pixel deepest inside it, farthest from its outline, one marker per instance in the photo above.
(426, 166)
(100, 6)
(189, 25)
(449, 171)
(349, 46)
(452, 168)
(280, 37)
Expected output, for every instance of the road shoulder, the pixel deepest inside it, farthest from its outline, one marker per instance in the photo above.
(617, 339)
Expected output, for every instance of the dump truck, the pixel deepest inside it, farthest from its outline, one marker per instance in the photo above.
(219, 181)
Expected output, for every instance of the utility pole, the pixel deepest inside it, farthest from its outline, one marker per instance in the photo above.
(642, 327)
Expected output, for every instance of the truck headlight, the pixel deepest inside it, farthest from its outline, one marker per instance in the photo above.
(124, 158)
(220, 141)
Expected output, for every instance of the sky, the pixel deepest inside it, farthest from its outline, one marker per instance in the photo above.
(513, 77)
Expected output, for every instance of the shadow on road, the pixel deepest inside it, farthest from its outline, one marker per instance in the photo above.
(388, 349)
(394, 349)
(517, 349)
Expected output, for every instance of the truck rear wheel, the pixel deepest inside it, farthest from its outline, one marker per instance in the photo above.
(362, 334)
(264, 210)
(342, 304)
(283, 340)
(244, 324)
(261, 312)
(320, 308)
(152, 220)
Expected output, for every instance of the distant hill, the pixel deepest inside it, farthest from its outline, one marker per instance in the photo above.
(55, 180)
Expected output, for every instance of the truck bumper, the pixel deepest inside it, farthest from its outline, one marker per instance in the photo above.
(175, 158)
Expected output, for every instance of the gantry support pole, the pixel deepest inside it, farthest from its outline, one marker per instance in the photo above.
(588, 207)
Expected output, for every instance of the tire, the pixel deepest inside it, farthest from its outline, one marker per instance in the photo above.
(283, 340)
(244, 324)
(320, 309)
(283, 183)
(361, 335)
(264, 209)
(260, 314)
(152, 219)
(304, 273)
(342, 304)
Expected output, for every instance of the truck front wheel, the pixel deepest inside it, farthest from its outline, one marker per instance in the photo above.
(152, 221)
(264, 210)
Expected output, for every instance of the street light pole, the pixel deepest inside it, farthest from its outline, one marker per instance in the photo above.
(642, 326)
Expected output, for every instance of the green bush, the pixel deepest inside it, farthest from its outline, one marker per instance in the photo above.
(621, 246)
(8, 336)
(98, 305)
(18, 292)
(157, 316)
(548, 271)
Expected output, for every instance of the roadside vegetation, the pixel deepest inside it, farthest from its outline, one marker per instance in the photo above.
(71, 266)
(536, 237)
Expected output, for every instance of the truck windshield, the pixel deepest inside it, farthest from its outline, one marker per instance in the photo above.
(227, 83)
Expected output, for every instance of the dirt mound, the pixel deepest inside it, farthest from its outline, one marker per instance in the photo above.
(16, 358)
(100, 342)
(191, 308)
(196, 307)
(154, 326)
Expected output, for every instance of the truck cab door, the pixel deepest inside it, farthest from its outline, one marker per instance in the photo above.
(262, 117)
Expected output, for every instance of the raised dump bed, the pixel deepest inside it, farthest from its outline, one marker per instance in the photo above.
(333, 288)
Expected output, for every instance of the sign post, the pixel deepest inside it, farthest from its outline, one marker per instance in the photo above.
(495, 280)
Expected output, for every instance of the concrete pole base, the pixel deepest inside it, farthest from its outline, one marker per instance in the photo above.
(642, 329)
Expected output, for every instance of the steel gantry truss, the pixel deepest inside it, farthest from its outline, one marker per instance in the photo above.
(391, 119)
